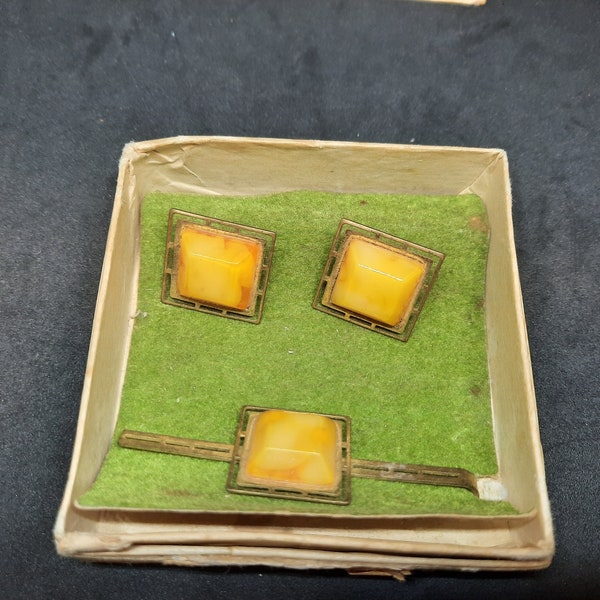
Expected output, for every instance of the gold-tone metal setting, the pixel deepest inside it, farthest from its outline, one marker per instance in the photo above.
(348, 467)
(348, 230)
(238, 484)
(168, 444)
(442, 476)
(179, 219)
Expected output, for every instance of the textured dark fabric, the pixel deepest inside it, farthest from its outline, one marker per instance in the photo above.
(79, 80)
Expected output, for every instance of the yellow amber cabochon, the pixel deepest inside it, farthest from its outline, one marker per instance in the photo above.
(293, 449)
(376, 281)
(217, 268)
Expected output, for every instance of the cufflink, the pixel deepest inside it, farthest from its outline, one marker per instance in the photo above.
(376, 280)
(216, 266)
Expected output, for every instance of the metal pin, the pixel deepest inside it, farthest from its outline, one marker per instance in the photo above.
(365, 469)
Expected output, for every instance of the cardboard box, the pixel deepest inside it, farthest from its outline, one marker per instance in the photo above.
(216, 165)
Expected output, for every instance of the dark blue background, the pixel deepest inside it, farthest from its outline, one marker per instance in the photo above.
(78, 80)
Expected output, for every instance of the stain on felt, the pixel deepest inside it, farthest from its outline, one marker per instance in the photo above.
(178, 493)
(478, 223)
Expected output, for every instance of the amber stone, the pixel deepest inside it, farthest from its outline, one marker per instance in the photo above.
(377, 281)
(293, 450)
(218, 268)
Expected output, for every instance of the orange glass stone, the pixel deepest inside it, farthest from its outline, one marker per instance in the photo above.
(218, 268)
(377, 281)
(292, 450)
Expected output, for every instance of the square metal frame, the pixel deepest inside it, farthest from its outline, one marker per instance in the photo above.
(177, 220)
(341, 495)
(432, 260)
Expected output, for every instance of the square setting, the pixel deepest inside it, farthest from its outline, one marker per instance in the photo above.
(290, 454)
(376, 280)
(216, 267)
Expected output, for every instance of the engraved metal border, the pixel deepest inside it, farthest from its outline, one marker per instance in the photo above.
(177, 220)
(432, 259)
(342, 495)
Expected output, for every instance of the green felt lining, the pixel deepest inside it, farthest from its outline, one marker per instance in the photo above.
(425, 401)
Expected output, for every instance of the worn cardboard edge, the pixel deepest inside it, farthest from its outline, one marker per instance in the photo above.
(99, 315)
(306, 559)
(155, 149)
(130, 155)
(535, 450)
(293, 539)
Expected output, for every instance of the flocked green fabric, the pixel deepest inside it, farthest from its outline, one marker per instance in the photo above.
(424, 401)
